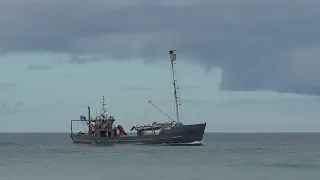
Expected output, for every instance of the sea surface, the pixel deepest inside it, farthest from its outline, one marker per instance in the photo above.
(33, 156)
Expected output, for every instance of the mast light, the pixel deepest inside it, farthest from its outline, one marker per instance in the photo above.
(172, 55)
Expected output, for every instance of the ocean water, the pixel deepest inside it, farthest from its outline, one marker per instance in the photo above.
(222, 157)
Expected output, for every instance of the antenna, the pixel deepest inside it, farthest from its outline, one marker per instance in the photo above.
(160, 110)
(103, 110)
(176, 104)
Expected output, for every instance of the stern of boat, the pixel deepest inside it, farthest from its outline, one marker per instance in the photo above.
(186, 133)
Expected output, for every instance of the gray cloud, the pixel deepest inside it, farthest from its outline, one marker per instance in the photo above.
(5, 85)
(8, 107)
(37, 67)
(81, 105)
(67, 76)
(139, 88)
(82, 59)
(259, 45)
(191, 87)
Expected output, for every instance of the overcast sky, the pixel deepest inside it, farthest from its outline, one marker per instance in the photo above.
(243, 66)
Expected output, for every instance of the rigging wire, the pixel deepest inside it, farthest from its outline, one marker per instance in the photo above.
(84, 128)
(170, 97)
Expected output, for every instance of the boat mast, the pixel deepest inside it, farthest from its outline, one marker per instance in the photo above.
(103, 109)
(176, 104)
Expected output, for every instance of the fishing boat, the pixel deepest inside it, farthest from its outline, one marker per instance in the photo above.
(102, 128)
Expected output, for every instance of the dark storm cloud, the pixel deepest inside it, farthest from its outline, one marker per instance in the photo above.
(259, 45)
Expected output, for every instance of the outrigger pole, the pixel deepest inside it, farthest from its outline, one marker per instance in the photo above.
(160, 110)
